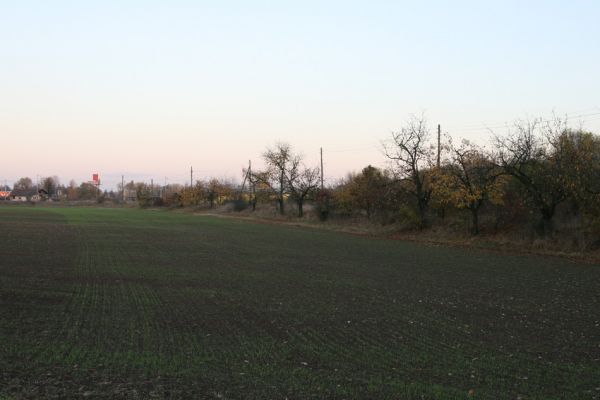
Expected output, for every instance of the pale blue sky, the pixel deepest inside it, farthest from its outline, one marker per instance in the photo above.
(149, 88)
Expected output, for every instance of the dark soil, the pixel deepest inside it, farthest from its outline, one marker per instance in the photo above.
(116, 303)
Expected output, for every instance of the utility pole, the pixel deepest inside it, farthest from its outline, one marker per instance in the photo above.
(123, 187)
(439, 144)
(191, 177)
(250, 174)
(253, 185)
(281, 189)
(321, 168)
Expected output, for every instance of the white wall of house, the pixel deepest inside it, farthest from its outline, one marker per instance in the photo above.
(35, 197)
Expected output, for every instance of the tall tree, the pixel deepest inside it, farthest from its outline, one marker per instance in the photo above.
(72, 193)
(368, 189)
(581, 154)
(410, 154)
(277, 160)
(50, 184)
(534, 155)
(286, 174)
(473, 178)
(302, 181)
(23, 183)
(87, 191)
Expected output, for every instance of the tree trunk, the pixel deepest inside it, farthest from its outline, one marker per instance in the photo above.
(422, 214)
(475, 221)
(300, 208)
(442, 213)
(281, 186)
(544, 227)
(422, 199)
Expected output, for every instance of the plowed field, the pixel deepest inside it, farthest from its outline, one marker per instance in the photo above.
(123, 303)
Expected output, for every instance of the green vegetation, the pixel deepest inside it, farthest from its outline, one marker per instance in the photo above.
(127, 303)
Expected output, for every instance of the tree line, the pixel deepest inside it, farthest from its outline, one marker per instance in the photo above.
(536, 171)
(528, 176)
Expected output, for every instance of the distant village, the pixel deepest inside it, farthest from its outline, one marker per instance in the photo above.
(49, 189)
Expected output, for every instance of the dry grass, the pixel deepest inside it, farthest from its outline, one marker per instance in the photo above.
(504, 242)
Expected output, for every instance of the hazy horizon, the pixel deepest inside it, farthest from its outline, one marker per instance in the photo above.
(146, 89)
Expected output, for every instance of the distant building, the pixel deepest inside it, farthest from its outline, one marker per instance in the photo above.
(4, 194)
(28, 195)
(59, 194)
(129, 194)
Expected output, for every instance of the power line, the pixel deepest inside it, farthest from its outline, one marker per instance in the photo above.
(355, 149)
(487, 127)
(475, 125)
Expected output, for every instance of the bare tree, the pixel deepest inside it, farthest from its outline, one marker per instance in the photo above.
(533, 155)
(23, 183)
(409, 152)
(50, 184)
(277, 160)
(302, 181)
(285, 175)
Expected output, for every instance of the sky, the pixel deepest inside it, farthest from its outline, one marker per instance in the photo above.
(146, 89)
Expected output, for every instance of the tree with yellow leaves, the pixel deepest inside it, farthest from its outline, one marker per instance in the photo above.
(469, 178)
